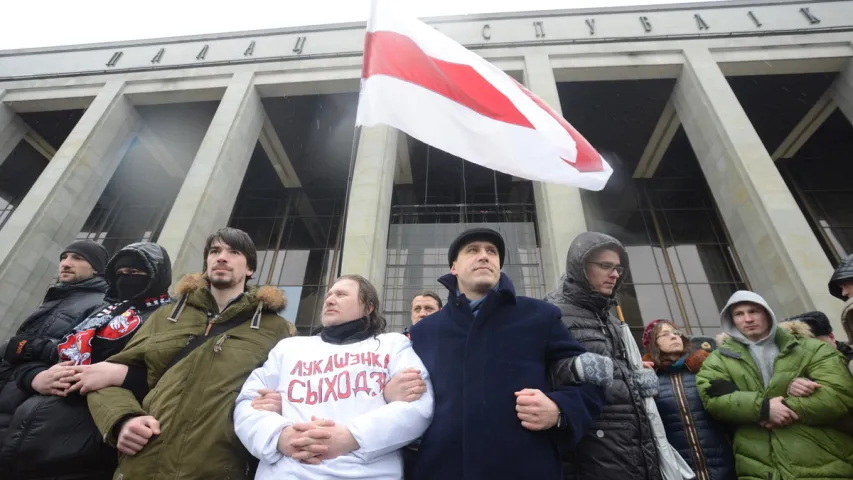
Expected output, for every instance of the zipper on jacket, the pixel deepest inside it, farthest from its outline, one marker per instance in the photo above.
(217, 347)
(692, 433)
(210, 324)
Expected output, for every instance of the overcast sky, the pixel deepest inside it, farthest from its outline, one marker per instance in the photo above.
(42, 23)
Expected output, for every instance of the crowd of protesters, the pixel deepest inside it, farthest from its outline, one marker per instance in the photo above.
(111, 377)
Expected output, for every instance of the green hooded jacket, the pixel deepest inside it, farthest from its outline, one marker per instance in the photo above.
(194, 400)
(733, 391)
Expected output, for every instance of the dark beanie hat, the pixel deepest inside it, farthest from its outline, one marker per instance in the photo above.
(92, 251)
(476, 235)
(131, 259)
(817, 321)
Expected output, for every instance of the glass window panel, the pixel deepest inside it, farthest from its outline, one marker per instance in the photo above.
(689, 307)
(294, 265)
(687, 257)
(706, 306)
(705, 263)
(834, 206)
(677, 199)
(629, 227)
(643, 265)
(674, 264)
(672, 301)
(722, 292)
(687, 226)
(660, 261)
(653, 303)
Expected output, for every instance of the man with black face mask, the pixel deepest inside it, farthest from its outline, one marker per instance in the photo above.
(52, 435)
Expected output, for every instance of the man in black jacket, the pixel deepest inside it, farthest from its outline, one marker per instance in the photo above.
(80, 292)
(621, 445)
(52, 435)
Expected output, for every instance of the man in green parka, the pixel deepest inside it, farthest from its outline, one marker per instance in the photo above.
(196, 354)
(745, 382)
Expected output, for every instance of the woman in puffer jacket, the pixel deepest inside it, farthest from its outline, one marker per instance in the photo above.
(700, 440)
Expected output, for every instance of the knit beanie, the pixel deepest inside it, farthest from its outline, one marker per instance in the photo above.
(647, 332)
(93, 252)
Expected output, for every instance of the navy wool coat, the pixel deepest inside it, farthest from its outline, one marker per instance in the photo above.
(476, 365)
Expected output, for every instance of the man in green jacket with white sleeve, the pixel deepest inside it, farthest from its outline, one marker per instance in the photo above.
(745, 383)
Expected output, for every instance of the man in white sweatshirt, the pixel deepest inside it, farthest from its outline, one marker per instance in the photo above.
(334, 420)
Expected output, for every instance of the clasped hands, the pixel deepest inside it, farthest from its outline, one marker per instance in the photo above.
(780, 414)
(64, 378)
(322, 439)
(315, 441)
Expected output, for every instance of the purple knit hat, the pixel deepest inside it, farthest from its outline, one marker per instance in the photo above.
(647, 332)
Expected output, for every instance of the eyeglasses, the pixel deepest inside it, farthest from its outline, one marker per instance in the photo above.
(674, 333)
(609, 267)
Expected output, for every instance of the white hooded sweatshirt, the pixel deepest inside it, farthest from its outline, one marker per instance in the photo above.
(343, 383)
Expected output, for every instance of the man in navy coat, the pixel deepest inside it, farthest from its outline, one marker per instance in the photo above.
(490, 354)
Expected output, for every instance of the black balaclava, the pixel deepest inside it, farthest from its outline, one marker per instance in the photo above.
(129, 287)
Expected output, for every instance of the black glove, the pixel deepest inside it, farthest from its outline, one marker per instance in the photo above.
(23, 349)
(719, 388)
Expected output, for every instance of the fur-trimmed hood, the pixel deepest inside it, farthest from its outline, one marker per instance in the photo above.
(273, 299)
(794, 327)
(797, 328)
(269, 299)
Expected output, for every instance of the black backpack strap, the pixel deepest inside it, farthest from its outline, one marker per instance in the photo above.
(215, 330)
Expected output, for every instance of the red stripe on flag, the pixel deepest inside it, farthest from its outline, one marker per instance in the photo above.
(588, 159)
(398, 56)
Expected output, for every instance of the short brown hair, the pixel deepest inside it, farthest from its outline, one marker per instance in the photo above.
(430, 294)
(368, 297)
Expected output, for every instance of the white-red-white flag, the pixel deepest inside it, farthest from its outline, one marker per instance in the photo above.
(422, 82)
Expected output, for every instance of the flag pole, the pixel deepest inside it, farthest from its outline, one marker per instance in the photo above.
(356, 140)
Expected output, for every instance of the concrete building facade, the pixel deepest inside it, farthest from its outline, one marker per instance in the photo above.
(706, 109)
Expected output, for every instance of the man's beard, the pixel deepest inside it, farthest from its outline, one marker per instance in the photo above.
(224, 284)
(73, 279)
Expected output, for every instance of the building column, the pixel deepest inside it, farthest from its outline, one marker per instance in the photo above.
(12, 130)
(56, 207)
(559, 211)
(207, 196)
(842, 92)
(369, 209)
(781, 255)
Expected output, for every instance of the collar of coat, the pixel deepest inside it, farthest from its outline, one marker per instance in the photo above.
(787, 337)
(194, 289)
(93, 284)
(505, 288)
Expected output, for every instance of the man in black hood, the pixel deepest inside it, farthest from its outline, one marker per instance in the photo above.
(78, 293)
(621, 445)
(52, 435)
